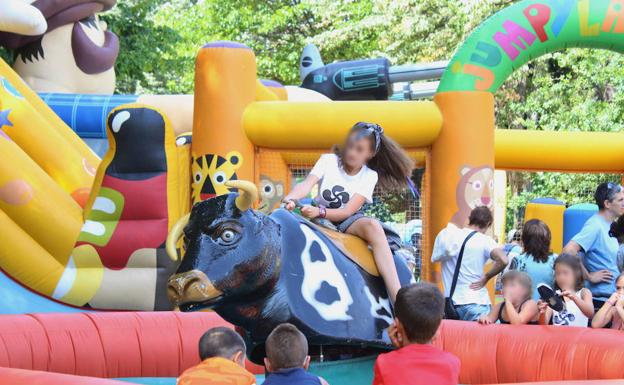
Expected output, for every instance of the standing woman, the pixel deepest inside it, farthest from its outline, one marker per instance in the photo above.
(537, 260)
(346, 180)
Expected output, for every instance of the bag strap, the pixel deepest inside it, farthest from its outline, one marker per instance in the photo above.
(458, 265)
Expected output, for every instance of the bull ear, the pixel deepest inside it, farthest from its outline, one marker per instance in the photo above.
(174, 235)
(247, 193)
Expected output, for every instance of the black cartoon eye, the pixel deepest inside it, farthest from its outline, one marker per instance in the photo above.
(220, 177)
(268, 188)
(198, 176)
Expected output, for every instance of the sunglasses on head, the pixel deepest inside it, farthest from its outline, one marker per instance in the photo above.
(614, 187)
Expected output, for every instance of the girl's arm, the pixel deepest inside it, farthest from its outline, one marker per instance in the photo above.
(337, 215)
(545, 313)
(527, 313)
(302, 189)
(605, 314)
(490, 318)
(584, 302)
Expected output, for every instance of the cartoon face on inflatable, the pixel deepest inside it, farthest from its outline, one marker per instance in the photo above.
(211, 172)
(258, 271)
(67, 48)
(271, 193)
(474, 189)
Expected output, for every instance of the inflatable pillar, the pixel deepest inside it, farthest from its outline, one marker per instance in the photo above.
(574, 218)
(225, 83)
(550, 211)
(462, 160)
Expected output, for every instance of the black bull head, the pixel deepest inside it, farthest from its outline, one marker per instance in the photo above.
(258, 271)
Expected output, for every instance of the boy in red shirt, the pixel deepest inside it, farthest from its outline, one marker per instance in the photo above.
(418, 310)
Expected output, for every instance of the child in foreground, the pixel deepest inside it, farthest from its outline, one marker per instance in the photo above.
(346, 180)
(418, 309)
(579, 307)
(287, 359)
(613, 309)
(222, 352)
(518, 308)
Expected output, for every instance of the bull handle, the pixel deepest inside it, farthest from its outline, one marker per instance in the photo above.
(177, 231)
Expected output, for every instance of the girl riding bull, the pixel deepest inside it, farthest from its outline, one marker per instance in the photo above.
(346, 180)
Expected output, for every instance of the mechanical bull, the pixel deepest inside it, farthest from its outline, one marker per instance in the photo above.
(258, 270)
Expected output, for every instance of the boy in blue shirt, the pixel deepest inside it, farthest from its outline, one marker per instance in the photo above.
(599, 248)
(287, 358)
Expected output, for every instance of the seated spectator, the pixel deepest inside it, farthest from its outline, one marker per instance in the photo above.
(222, 352)
(579, 307)
(418, 309)
(518, 308)
(537, 260)
(287, 359)
(613, 309)
(470, 298)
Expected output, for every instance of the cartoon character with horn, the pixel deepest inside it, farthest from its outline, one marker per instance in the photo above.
(61, 45)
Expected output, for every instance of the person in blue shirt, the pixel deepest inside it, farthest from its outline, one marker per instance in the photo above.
(287, 358)
(598, 246)
(537, 260)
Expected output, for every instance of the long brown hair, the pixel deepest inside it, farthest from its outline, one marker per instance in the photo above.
(390, 161)
(574, 263)
(536, 240)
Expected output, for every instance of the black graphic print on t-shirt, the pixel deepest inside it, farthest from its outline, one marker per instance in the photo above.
(336, 197)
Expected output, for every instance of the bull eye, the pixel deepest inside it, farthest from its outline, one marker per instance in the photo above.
(227, 236)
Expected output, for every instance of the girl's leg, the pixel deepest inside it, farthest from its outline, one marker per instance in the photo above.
(371, 231)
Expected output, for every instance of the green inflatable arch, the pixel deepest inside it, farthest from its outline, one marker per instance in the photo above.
(529, 29)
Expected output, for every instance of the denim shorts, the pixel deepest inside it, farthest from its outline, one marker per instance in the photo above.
(472, 311)
(344, 225)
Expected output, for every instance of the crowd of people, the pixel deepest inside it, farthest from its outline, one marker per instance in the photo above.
(585, 279)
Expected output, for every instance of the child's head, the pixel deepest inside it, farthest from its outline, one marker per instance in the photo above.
(617, 229)
(366, 144)
(419, 309)
(286, 348)
(536, 239)
(222, 342)
(568, 273)
(619, 284)
(517, 286)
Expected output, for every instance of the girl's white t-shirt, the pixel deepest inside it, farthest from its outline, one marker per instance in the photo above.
(571, 316)
(336, 187)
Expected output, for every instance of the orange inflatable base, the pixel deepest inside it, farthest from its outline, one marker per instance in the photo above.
(164, 344)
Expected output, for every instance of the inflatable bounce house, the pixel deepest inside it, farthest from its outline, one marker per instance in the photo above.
(103, 260)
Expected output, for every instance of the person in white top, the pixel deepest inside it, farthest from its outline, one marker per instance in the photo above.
(347, 179)
(471, 298)
(579, 306)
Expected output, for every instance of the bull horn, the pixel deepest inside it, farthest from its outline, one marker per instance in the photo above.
(174, 235)
(248, 193)
(16, 16)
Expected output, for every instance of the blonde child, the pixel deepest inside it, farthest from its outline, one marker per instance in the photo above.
(613, 309)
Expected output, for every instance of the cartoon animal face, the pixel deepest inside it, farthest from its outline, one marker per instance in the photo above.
(71, 51)
(210, 172)
(474, 189)
(271, 193)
